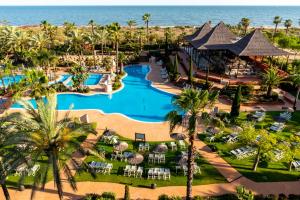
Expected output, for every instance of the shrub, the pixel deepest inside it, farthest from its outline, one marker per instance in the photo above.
(163, 197)
(92, 196)
(198, 198)
(108, 195)
(59, 87)
(175, 198)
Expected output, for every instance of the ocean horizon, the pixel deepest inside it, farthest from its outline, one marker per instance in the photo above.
(160, 15)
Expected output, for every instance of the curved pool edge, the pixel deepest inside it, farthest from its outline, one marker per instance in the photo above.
(116, 91)
(104, 113)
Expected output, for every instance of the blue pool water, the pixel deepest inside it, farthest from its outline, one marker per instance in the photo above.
(137, 100)
(10, 79)
(93, 79)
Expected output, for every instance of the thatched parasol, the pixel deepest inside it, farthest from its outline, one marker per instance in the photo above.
(121, 146)
(135, 159)
(237, 129)
(178, 136)
(161, 148)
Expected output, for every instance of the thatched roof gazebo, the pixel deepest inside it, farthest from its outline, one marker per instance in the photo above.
(199, 33)
(219, 36)
(255, 44)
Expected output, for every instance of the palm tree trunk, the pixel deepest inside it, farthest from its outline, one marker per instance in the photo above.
(117, 56)
(296, 99)
(257, 158)
(290, 165)
(94, 55)
(190, 164)
(5, 191)
(56, 174)
(269, 91)
(147, 32)
(102, 52)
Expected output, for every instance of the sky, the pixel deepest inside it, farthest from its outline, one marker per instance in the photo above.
(150, 2)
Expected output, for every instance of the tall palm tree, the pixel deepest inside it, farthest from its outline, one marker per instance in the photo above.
(115, 30)
(45, 59)
(146, 19)
(76, 42)
(39, 41)
(277, 20)
(192, 102)
(245, 22)
(102, 35)
(49, 139)
(287, 24)
(271, 78)
(131, 23)
(92, 24)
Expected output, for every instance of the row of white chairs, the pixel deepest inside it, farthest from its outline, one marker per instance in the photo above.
(243, 152)
(156, 158)
(133, 170)
(159, 173)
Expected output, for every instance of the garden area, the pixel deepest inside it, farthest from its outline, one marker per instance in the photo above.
(278, 150)
(208, 173)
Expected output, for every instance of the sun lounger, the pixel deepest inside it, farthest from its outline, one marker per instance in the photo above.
(173, 146)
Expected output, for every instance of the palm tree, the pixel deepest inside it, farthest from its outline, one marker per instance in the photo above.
(76, 42)
(296, 81)
(131, 23)
(49, 139)
(245, 22)
(11, 155)
(271, 78)
(92, 24)
(79, 75)
(277, 20)
(192, 102)
(287, 24)
(46, 59)
(39, 41)
(102, 35)
(115, 30)
(36, 82)
(146, 19)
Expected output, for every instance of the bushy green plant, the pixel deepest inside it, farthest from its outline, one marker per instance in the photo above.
(108, 195)
(92, 196)
(163, 197)
(198, 198)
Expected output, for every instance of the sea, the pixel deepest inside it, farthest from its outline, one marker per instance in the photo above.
(160, 15)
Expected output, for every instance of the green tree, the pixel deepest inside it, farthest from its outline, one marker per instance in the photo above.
(49, 139)
(146, 19)
(271, 78)
(296, 81)
(236, 103)
(259, 139)
(287, 24)
(277, 20)
(35, 82)
(291, 150)
(245, 22)
(131, 23)
(79, 75)
(191, 102)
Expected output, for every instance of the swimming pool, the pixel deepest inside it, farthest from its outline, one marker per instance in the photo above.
(138, 100)
(11, 79)
(93, 79)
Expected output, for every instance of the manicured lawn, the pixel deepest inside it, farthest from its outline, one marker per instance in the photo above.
(209, 173)
(275, 171)
(12, 180)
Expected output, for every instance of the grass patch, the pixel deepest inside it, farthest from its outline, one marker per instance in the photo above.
(275, 171)
(209, 174)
